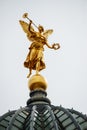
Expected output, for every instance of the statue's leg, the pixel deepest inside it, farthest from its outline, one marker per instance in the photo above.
(30, 72)
(38, 66)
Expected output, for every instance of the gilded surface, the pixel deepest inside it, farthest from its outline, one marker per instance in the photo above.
(38, 38)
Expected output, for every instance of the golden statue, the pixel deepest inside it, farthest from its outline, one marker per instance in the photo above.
(35, 59)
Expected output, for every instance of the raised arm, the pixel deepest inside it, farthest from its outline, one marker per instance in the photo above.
(30, 27)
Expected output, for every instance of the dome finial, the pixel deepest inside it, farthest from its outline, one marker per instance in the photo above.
(37, 82)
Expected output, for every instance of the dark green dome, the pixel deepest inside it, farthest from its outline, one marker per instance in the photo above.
(39, 114)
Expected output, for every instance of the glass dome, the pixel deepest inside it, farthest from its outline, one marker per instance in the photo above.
(40, 114)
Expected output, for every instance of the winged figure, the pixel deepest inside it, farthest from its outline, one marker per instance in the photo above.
(35, 58)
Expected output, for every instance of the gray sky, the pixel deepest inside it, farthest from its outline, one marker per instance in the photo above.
(66, 69)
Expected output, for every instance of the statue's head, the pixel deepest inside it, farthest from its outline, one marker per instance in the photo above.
(41, 29)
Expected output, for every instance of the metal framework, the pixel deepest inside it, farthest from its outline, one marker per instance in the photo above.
(39, 114)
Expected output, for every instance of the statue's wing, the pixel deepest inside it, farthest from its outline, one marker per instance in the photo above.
(47, 33)
(24, 26)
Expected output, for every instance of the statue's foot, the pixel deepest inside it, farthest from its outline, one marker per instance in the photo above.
(37, 72)
(28, 75)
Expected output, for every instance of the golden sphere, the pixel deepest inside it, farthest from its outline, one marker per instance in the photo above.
(37, 82)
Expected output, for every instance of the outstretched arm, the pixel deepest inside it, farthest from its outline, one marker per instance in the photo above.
(49, 46)
(54, 46)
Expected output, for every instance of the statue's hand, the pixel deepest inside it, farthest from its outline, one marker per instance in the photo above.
(31, 21)
(56, 46)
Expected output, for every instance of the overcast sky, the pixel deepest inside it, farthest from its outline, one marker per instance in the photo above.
(66, 69)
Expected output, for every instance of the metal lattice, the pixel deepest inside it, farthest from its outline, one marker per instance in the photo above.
(39, 114)
(43, 117)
